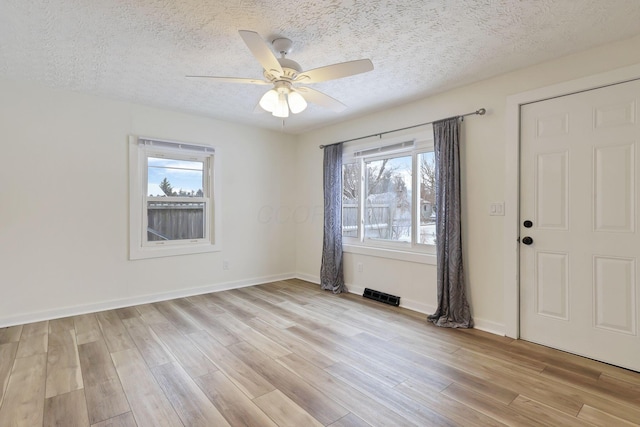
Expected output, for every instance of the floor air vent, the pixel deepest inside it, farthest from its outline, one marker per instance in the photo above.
(381, 296)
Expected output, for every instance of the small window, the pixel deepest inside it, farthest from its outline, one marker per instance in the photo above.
(172, 190)
(176, 202)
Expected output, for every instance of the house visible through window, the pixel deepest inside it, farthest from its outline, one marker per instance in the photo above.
(388, 197)
(426, 170)
(172, 198)
(387, 205)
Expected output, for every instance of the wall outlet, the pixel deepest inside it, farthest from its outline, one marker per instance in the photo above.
(225, 264)
(360, 268)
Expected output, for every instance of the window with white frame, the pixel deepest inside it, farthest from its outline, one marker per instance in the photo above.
(388, 197)
(172, 198)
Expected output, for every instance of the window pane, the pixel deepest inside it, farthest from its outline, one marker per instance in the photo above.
(427, 179)
(173, 177)
(175, 220)
(388, 199)
(350, 196)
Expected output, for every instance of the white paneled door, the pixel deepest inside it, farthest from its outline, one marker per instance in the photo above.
(579, 236)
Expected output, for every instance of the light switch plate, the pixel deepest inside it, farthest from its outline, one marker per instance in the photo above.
(496, 209)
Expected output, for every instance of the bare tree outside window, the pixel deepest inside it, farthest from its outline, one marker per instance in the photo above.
(377, 178)
(387, 209)
(427, 180)
(350, 196)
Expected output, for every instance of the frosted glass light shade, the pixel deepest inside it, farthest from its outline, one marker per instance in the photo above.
(282, 109)
(269, 100)
(297, 102)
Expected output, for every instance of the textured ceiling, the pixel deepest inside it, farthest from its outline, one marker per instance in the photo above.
(140, 50)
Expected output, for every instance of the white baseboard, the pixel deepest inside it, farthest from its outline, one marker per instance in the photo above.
(308, 278)
(480, 324)
(359, 290)
(404, 302)
(489, 326)
(142, 299)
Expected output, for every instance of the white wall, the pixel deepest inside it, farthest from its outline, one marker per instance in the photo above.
(64, 200)
(483, 174)
(64, 205)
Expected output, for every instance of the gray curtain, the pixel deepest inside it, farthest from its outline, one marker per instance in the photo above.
(453, 308)
(331, 275)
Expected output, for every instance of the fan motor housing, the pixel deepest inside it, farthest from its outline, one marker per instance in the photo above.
(290, 63)
(290, 70)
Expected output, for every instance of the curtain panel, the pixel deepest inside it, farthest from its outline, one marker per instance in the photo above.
(331, 272)
(453, 308)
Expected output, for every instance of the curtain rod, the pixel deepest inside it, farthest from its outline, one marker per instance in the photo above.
(479, 112)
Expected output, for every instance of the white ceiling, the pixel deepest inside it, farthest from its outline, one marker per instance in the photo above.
(140, 50)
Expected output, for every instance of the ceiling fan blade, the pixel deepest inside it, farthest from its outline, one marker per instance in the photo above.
(321, 99)
(335, 71)
(261, 51)
(233, 80)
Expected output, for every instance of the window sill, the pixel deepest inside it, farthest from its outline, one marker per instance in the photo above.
(417, 257)
(165, 251)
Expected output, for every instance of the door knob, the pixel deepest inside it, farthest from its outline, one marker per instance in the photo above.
(527, 240)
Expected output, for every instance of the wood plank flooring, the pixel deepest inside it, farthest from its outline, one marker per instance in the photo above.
(288, 354)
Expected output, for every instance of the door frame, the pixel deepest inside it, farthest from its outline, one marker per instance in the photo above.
(511, 226)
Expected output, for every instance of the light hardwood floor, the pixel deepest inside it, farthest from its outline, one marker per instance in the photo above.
(289, 354)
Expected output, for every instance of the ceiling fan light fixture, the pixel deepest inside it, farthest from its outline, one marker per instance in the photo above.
(297, 103)
(282, 108)
(269, 101)
(285, 74)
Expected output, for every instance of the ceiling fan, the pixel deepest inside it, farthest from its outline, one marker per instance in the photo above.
(286, 76)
